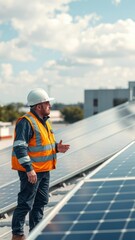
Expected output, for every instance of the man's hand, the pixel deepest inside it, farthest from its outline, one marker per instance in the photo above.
(32, 176)
(62, 147)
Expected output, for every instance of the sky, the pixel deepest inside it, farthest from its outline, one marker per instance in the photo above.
(65, 47)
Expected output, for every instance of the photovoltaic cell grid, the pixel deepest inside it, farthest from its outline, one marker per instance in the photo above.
(8, 195)
(122, 165)
(6, 175)
(101, 208)
(98, 210)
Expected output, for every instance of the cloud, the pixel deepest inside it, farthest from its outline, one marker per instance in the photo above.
(87, 52)
(12, 50)
(40, 25)
(6, 70)
(24, 9)
(116, 2)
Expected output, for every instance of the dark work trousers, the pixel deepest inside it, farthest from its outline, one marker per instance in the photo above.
(32, 198)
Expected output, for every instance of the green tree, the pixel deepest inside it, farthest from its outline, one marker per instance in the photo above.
(10, 112)
(72, 114)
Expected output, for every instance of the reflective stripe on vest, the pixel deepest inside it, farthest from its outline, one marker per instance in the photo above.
(36, 129)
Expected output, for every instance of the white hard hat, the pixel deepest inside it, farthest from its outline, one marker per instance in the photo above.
(38, 95)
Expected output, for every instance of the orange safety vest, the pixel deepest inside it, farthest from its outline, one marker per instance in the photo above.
(41, 148)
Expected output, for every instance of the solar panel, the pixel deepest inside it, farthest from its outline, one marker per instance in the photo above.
(100, 207)
(6, 175)
(8, 194)
(98, 121)
(91, 143)
(123, 166)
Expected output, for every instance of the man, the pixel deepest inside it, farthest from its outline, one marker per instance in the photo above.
(34, 156)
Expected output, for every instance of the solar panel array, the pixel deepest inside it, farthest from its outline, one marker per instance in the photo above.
(91, 143)
(101, 207)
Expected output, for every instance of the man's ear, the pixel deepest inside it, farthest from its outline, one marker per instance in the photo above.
(38, 106)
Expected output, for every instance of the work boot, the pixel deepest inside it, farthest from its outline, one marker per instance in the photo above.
(18, 237)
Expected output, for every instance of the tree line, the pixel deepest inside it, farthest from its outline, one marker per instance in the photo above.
(71, 113)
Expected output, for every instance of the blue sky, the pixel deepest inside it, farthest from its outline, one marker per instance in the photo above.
(65, 47)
